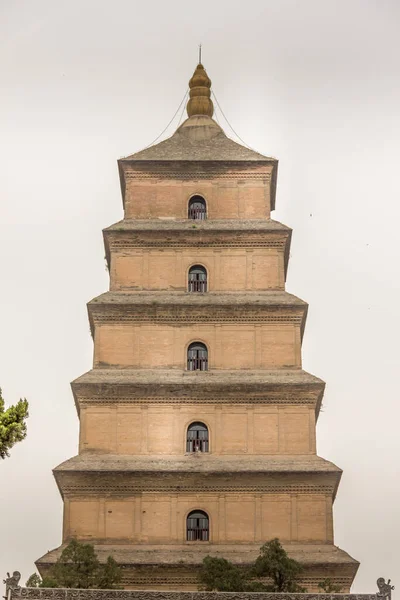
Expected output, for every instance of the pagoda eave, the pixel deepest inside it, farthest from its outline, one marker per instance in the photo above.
(271, 300)
(180, 233)
(191, 554)
(213, 307)
(195, 162)
(163, 567)
(166, 386)
(95, 473)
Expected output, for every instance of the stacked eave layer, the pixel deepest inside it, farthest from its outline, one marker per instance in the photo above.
(135, 555)
(160, 306)
(96, 474)
(138, 386)
(178, 233)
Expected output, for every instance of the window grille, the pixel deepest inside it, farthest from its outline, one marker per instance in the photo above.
(197, 527)
(197, 208)
(197, 357)
(197, 438)
(197, 281)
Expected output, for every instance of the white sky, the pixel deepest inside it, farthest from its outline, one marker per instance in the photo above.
(314, 83)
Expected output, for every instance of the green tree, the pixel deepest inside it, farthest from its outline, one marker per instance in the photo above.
(218, 574)
(79, 567)
(329, 587)
(36, 581)
(12, 425)
(275, 564)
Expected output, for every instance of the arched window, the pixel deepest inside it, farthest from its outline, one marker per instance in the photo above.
(197, 527)
(197, 208)
(197, 438)
(197, 357)
(197, 280)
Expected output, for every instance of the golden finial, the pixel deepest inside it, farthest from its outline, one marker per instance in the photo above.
(200, 95)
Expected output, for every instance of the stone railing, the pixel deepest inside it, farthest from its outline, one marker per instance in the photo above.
(16, 592)
(77, 594)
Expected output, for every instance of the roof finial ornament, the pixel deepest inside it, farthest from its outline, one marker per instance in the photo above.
(200, 93)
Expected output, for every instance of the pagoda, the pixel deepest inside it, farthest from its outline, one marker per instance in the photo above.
(197, 422)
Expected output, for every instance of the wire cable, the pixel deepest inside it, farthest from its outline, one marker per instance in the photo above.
(183, 109)
(216, 118)
(164, 130)
(223, 114)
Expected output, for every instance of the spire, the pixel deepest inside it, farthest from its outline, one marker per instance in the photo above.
(200, 102)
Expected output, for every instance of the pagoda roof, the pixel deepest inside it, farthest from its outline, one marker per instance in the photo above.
(165, 555)
(197, 462)
(99, 472)
(204, 380)
(164, 306)
(199, 138)
(183, 298)
(167, 224)
(146, 386)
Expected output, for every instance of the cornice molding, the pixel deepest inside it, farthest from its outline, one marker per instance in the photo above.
(116, 489)
(212, 172)
(156, 390)
(155, 239)
(176, 314)
(195, 400)
(117, 481)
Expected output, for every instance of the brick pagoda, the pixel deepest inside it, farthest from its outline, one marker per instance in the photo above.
(197, 422)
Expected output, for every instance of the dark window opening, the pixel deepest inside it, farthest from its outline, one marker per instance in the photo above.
(197, 438)
(197, 527)
(197, 280)
(197, 357)
(197, 208)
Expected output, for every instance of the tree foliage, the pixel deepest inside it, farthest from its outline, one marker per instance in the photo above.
(36, 581)
(219, 574)
(12, 425)
(79, 567)
(329, 587)
(275, 564)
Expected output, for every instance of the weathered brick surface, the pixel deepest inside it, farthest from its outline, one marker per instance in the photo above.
(230, 197)
(234, 518)
(157, 429)
(229, 346)
(227, 270)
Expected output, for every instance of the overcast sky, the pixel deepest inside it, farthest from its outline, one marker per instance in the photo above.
(314, 83)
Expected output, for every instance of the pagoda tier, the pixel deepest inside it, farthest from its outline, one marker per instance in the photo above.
(115, 387)
(197, 422)
(115, 474)
(159, 251)
(165, 566)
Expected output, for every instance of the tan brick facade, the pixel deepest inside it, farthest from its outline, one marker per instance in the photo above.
(165, 346)
(234, 518)
(233, 429)
(139, 475)
(233, 270)
(231, 197)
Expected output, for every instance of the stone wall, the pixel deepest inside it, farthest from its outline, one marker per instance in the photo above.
(230, 346)
(233, 429)
(227, 197)
(235, 269)
(234, 518)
